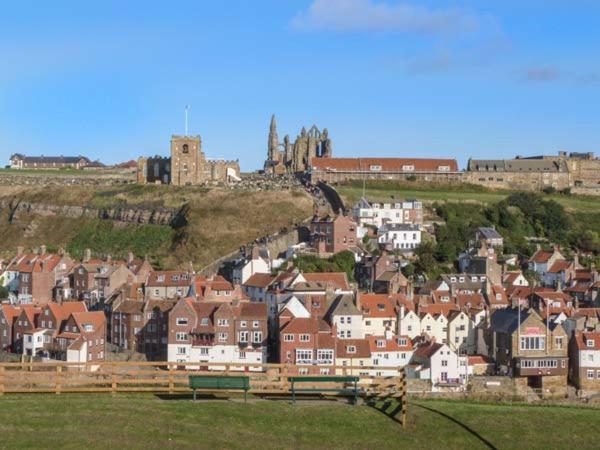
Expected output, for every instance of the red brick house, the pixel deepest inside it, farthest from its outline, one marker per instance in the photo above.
(330, 235)
(8, 315)
(584, 361)
(83, 338)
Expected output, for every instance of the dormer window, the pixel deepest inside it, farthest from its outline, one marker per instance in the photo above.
(160, 278)
(380, 306)
(443, 168)
(402, 341)
(88, 327)
(375, 168)
(408, 168)
(380, 343)
(590, 343)
(351, 349)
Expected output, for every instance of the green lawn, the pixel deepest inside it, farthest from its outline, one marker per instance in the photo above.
(351, 192)
(146, 421)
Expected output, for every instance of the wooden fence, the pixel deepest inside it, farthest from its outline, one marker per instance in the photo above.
(172, 378)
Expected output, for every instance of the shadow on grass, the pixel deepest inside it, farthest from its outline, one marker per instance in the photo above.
(468, 429)
(384, 408)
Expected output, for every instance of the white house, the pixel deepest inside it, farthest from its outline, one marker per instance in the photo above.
(378, 313)
(347, 318)
(403, 237)
(441, 366)
(378, 213)
(245, 268)
(389, 351)
(409, 323)
(435, 326)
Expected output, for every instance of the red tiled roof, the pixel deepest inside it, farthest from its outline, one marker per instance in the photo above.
(480, 359)
(260, 280)
(541, 256)
(377, 305)
(391, 345)
(10, 313)
(559, 266)
(339, 280)
(387, 164)
(582, 340)
(427, 350)
(361, 348)
(32, 262)
(95, 318)
(64, 310)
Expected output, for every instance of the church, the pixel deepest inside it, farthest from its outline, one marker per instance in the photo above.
(187, 166)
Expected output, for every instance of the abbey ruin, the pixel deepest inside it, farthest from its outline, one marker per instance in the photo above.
(286, 157)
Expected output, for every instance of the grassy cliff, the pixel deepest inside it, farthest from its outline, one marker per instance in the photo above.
(213, 222)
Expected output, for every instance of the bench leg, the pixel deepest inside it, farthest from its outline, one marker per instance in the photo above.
(194, 394)
(245, 395)
(293, 393)
(355, 393)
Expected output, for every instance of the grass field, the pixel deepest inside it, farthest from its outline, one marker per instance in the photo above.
(351, 192)
(146, 421)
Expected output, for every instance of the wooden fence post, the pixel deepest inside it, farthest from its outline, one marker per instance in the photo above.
(171, 381)
(113, 379)
(57, 381)
(1, 380)
(404, 398)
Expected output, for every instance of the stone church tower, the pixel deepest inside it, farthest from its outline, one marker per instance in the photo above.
(187, 160)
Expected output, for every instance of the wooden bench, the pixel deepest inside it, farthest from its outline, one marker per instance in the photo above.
(353, 390)
(218, 382)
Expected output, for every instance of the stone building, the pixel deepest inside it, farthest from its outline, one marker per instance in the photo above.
(186, 166)
(288, 157)
(565, 170)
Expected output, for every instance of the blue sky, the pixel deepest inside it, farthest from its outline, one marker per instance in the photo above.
(440, 78)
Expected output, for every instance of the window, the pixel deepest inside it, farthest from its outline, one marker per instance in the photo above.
(181, 336)
(257, 337)
(402, 341)
(590, 343)
(255, 324)
(351, 349)
(590, 374)
(243, 336)
(349, 319)
(181, 350)
(380, 343)
(204, 321)
(342, 319)
(408, 168)
(303, 371)
(559, 342)
(533, 343)
(137, 318)
(444, 363)
(375, 168)
(222, 337)
(444, 376)
(305, 338)
(324, 356)
(303, 356)
(243, 324)
(203, 351)
(223, 322)
(288, 338)
(242, 355)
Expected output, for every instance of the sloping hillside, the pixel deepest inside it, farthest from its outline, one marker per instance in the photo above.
(113, 220)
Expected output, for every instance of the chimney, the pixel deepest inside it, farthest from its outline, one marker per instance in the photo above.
(61, 251)
(576, 260)
(389, 334)
(357, 301)
(20, 250)
(191, 268)
(87, 255)
(129, 257)
(329, 291)
(255, 252)
(42, 250)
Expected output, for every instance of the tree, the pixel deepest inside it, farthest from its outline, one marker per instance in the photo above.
(3, 292)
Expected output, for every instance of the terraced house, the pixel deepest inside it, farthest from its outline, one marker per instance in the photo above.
(217, 332)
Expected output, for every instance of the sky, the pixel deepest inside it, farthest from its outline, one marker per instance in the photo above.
(391, 78)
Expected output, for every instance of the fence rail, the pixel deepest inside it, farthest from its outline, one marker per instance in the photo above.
(62, 377)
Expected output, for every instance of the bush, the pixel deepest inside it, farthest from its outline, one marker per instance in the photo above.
(3, 292)
(549, 190)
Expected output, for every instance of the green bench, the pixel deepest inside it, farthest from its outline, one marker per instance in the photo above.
(353, 390)
(218, 382)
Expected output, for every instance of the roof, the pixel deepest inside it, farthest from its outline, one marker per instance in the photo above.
(386, 164)
(507, 320)
(516, 165)
(95, 318)
(64, 310)
(511, 277)
(130, 307)
(260, 280)
(426, 351)
(50, 159)
(489, 233)
(305, 325)
(10, 312)
(377, 305)
(480, 359)
(541, 256)
(391, 345)
(344, 306)
(362, 348)
(559, 266)
(159, 278)
(582, 340)
(33, 262)
(216, 283)
(339, 280)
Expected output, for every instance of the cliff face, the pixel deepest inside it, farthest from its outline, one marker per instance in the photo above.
(162, 216)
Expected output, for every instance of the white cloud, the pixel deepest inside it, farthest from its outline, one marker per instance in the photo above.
(374, 15)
